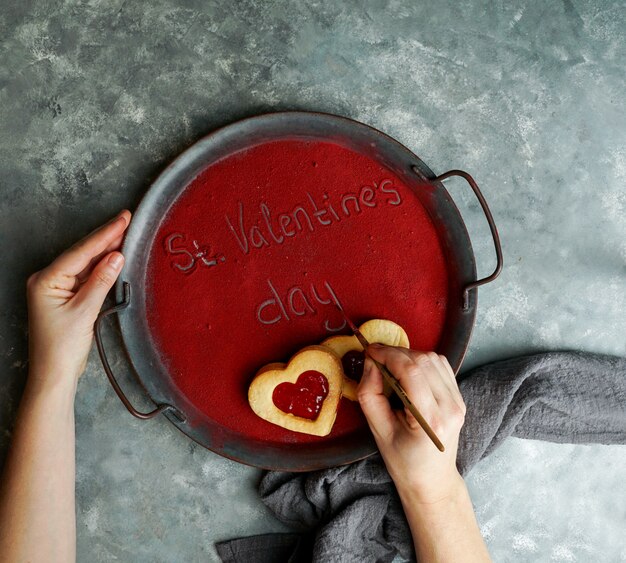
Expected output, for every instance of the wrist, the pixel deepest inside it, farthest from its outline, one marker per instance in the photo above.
(445, 527)
(49, 383)
(435, 495)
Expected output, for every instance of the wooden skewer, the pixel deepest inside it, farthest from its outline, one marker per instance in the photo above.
(394, 384)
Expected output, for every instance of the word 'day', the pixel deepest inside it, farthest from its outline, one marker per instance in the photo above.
(297, 302)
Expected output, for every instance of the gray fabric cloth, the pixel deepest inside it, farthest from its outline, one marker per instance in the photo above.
(353, 514)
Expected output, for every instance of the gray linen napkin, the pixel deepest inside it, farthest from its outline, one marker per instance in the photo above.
(352, 513)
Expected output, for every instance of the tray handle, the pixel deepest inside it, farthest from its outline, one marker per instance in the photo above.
(492, 228)
(107, 367)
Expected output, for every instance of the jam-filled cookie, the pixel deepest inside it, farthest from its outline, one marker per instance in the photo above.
(349, 349)
(303, 395)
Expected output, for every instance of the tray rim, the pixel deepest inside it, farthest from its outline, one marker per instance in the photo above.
(163, 182)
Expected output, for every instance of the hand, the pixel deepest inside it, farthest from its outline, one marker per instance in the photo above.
(64, 300)
(413, 461)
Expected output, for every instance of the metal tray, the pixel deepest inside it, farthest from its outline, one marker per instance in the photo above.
(132, 300)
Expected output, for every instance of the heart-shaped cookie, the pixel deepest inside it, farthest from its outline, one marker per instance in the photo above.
(303, 395)
(350, 351)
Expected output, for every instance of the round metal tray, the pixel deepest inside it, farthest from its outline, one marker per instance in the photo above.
(132, 300)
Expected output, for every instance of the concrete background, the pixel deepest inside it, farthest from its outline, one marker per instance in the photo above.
(96, 97)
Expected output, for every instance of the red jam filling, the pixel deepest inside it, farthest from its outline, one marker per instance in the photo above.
(353, 363)
(305, 397)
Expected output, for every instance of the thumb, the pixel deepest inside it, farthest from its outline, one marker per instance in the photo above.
(374, 403)
(94, 291)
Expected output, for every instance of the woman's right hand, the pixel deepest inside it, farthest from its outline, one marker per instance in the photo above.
(64, 300)
(413, 461)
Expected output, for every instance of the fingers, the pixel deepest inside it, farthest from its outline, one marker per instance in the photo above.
(427, 379)
(79, 257)
(454, 385)
(410, 371)
(84, 275)
(94, 291)
(447, 393)
(434, 371)
(445, 382)
(374, 403)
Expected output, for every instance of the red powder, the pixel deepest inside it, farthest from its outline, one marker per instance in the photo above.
(245, 267)
(303, 398)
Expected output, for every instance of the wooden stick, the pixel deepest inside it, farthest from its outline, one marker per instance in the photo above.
(394, 384)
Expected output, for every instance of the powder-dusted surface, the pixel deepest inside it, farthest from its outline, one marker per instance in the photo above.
(97, 97)
(248, 265)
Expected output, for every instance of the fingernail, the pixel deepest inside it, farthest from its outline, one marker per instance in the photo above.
(116, 260)
(375, 345)
(114, 219)
(118, 217)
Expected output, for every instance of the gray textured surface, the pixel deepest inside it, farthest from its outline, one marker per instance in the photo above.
(96, 97)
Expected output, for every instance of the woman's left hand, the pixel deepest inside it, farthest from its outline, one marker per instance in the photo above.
(64, 300)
